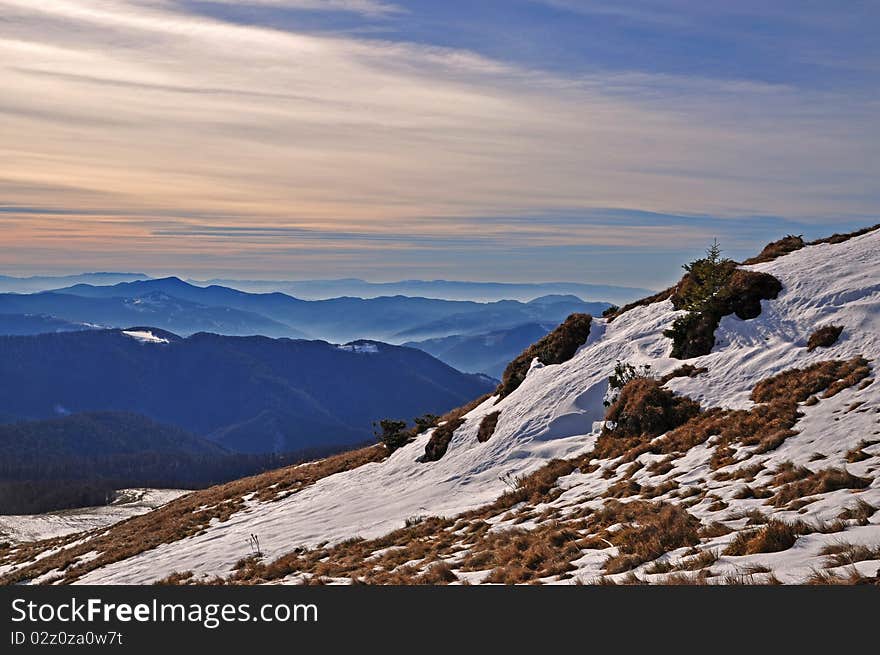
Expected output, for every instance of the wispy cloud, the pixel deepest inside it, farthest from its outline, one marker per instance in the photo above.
(141, 109)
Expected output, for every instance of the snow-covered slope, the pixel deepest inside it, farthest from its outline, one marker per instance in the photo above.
(129, 502)
(557, 413)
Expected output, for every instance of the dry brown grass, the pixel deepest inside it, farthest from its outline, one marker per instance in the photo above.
(830, 376)
(849, 577)
(684, 371)
(858, 453)
(487, 426)
(844, 554)
(777, 249)
(824, 337)
(819, 482)
(773, 537)
(184, 517)
(861, 512)
(557, 347)
(649, 531)
(840, 238)
(713, 530)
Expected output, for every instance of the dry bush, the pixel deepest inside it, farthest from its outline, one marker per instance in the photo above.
(622, 489)
(439, 573)
(819, 482)
(440, 438)
(773, 537)
(777, 249)
(557, 347)
(824, 337)
(645, 409)
(487, 426)
(788, 472)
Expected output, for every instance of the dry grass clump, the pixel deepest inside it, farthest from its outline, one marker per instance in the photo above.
(557, 347)
(788, 472)
(773, 537)
(777, 249)
(684, 371)
(844, 554)
(704, 559)
(713, 530)
(487, 426)
(176, 578)
(183, 517)
(819, 482)
(649, 531)
(744, 473)
(798, 384)
(661, 466)
(849, 577)
(858, 453)
(861, 512)
(824, 337)
(840, 238)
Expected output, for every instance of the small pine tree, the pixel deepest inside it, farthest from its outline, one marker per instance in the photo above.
(392, 433)
(707, 275)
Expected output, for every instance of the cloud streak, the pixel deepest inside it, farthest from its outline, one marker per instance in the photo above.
(132, 109)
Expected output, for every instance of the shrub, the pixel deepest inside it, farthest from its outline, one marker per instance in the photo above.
(624, 373)
(425, 422)
(779, 248)
(440, 438)
(824, 337)
(610, 311)
(644, 408)
(557, 347)
(392, 433)
(487, 427)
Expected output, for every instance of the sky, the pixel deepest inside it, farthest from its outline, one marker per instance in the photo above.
(508, 140)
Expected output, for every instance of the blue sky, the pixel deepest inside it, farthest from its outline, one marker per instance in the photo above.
(506, 140)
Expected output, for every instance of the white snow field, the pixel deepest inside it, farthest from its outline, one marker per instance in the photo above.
(557, 413)
(130, 502)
